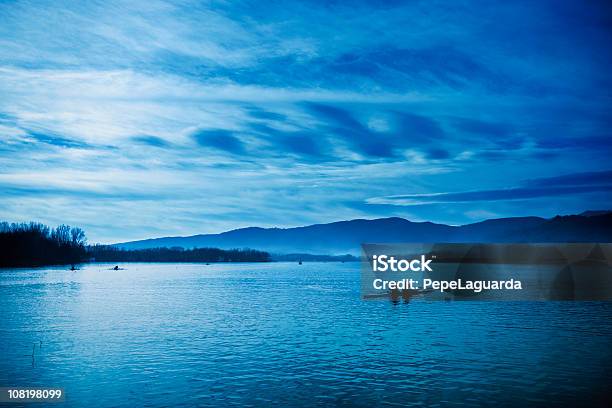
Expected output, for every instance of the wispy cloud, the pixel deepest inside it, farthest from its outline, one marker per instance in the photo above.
(115, 115)
(570, 184)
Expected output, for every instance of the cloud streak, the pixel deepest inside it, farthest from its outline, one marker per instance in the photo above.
(570, 184)
(115, 115)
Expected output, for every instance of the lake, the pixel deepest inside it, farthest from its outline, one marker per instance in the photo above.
(289, 335)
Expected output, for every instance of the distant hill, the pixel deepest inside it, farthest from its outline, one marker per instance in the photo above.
(345, 237)
(591, 213)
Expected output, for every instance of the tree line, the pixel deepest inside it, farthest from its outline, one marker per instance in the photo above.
(35, 244)
(106, 253)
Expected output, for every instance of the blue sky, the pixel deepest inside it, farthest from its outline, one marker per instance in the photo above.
(140, 119)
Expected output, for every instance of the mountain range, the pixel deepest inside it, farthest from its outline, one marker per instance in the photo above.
(345, 237)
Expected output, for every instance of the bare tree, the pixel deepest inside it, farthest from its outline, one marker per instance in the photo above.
(78, 236)
(61, 234)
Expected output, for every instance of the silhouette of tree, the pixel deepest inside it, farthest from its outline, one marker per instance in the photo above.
(78, 236)
(35, 244)
(105, 253)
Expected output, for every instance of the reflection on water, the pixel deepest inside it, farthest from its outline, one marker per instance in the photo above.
(256, 334)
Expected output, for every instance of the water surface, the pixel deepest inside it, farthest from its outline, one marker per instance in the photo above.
(288, 335)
